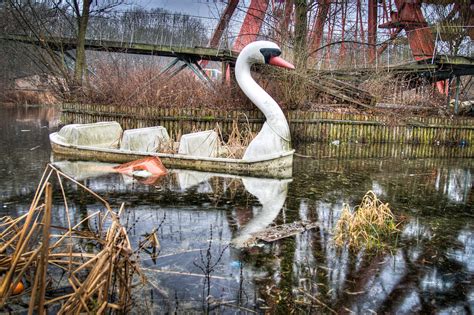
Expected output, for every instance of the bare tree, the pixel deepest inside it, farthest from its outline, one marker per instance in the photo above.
(301, 31)
(49, 18)
(82, 10)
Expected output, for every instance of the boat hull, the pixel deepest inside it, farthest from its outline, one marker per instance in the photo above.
(276, 166)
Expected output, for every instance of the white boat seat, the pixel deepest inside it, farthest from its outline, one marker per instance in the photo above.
(105, 134)
(149, 139)
(203, 144)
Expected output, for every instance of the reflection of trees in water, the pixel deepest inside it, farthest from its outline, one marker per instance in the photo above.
(425, 274)
(431, 270)
(24, 136)
(430, 281)
(404, 183)
(430, 190)
(455, 183)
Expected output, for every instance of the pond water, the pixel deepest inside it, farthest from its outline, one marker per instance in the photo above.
(430, 271)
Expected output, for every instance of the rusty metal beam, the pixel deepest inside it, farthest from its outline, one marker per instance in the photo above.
(384, 46)
(252, 23)
(411, 19)
(223, 23)
(318, 26)
(372, 28)
(286, 20)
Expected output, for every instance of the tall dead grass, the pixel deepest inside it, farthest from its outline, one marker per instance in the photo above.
(233, 146)
(388, 88)
(371, 225)
(120, 84)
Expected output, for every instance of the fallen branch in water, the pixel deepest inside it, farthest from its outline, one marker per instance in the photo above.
(230, 304)
(279, 232)
(313, 298)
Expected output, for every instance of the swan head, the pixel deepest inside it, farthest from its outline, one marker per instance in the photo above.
(264, 52)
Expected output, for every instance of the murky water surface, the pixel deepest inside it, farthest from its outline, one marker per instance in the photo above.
(431, 271)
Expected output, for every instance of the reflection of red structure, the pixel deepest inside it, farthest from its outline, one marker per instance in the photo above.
(332, 18)
(152, 165)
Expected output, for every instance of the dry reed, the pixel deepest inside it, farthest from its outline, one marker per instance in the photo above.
(116, 83)
(371, 225)
(34, 251)
(237, 141)
(228, 146)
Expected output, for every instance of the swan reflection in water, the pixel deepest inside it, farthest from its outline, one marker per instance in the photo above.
(271, 193)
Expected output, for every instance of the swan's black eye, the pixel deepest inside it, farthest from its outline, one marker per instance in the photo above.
(269, 53)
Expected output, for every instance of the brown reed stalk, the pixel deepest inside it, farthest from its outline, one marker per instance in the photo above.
(39, 286)
(101, 281)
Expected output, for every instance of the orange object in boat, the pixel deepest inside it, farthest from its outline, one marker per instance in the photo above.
(152, 165)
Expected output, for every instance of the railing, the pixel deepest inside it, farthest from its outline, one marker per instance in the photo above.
(156, 28)
(397, 51)
(179, 30)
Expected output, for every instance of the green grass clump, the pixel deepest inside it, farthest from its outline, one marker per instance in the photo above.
(371, 225)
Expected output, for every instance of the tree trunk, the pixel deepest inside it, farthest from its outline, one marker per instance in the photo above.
(82, 21)
(301, 29)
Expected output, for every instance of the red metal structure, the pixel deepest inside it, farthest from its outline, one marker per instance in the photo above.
(318, 25)
(410, 18)
(399, 15)
(221, 26)
(372, 28)
(252, 23)
(357, 24)
(223, 23)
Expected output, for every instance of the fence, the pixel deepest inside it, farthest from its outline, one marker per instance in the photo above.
(305, 126)
(384, 151)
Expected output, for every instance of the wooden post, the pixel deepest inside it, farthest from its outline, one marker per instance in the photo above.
(39, 287)
(456, 101)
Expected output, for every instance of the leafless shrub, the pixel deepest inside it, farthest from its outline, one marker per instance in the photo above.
(118, 85)
(388, 88)
(208, 265)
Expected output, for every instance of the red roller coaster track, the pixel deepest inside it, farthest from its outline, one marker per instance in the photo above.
(364, 22)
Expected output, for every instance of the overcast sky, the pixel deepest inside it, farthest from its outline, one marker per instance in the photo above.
(192, 7)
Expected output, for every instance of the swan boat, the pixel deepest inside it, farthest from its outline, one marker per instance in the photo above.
(269, 154)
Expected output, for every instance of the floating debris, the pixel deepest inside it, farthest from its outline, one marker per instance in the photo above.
(144, 168)
(279, 232)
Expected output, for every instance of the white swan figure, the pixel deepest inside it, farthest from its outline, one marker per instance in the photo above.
(274, 137)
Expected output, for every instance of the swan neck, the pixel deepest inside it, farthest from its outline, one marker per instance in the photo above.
(267, 105)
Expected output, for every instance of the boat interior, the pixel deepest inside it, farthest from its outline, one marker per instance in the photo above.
(156, 139)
